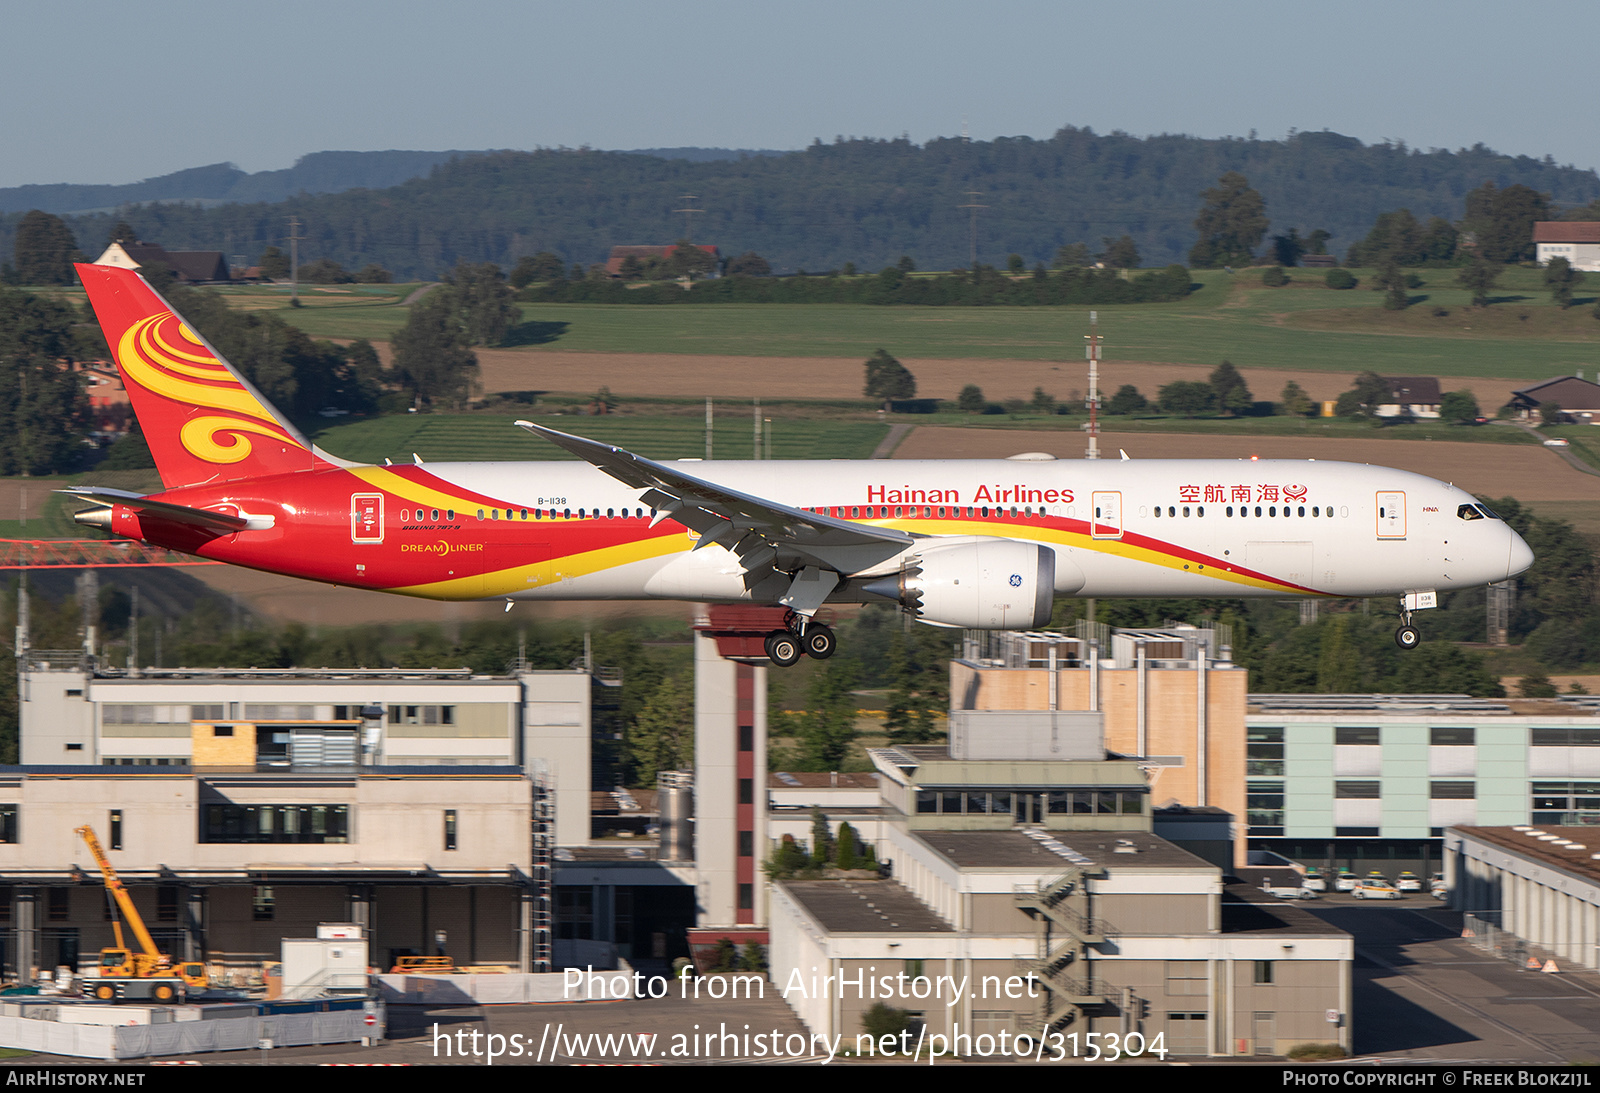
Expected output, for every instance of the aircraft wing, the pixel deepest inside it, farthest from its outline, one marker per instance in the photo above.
(183, 514)
(759, 531)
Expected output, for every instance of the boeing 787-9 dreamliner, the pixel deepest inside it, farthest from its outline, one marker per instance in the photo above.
(984, 544)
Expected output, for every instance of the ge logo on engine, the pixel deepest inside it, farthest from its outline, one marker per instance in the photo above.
(1016, 580)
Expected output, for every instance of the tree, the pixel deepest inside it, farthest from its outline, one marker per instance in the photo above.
(1296, 401)
(1460, 407)
(887, 378)
(1015, 265)
(1439, 242)
(688, 260)
(829, 726)
(43, 406)
(1368, 392)
(1561, 279)
(122, 233)
(1479, 278)
(1339, 279)
(906, 264)
(1043, 402)
(1395, 236)
(1233, 394)
(373, 274)
(431, 360)
(1120, 253)
(1393, 282)
(1287, 249)
(543, 266)
(749, 264)
(1274, 277)
(661, 736)
(325, 271)
(45, 250)
(1073, 256)
(919, 671)
(485, 304)
(1317, 242)
(1127, 400)
(1231, 224)
(1502, 221)
(970, 400)
(273, 264)
(1187, 399)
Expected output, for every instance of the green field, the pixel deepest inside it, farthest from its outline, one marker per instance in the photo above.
(439, 437)
(1300, 326)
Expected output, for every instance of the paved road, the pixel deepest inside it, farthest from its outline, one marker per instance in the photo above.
(1423, 993)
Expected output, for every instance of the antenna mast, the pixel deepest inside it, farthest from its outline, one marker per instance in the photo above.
(1092, 350)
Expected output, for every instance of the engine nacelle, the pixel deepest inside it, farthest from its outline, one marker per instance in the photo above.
(995, 584)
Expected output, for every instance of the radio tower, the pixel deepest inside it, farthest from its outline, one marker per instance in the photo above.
(1092, 350)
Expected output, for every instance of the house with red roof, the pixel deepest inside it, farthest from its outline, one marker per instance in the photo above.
(1578, 241)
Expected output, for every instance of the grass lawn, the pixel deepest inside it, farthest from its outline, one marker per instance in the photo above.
(1303, 326)
(438, 437)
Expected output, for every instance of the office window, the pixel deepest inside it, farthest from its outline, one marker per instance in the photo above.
(1264, 752)
(115, 833)
(8, 823)
(747, 897)
(275, 824)
(422, 715)
(1263, 971)
(166, 903)
(1452, 791)
(263, 905)
(449, 829)
(1356, 791)
(59, 905)
(1453, 736)
(747, 792)
(747, 844)
(1349, 734)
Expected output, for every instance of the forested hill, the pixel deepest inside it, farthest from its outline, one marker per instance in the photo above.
(318, 173)
(861, 201)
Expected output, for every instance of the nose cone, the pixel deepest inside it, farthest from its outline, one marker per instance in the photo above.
(1519, 557)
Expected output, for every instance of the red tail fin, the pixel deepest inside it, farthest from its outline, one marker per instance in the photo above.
(204, 422)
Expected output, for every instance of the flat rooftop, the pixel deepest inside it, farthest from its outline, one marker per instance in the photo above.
(1248, 910)
(1572, 849)
(988, 850)
(866, 907)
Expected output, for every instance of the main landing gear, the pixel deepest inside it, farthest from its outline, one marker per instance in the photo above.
(800, 637)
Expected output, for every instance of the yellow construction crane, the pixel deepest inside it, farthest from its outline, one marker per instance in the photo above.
(146, 975)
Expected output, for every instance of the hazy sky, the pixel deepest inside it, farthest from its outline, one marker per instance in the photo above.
(115, 92)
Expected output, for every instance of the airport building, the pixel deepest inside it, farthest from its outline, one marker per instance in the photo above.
(1364, 782)
(1539, 884)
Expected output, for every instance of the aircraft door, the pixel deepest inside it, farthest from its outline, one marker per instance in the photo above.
(1106, 520)
(366, 518)
(1391, 514)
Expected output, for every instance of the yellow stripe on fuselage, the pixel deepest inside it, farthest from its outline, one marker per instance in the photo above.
(508, 581)
(505, 582)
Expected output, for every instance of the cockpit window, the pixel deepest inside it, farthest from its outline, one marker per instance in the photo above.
(1469, 512)
(1487, 511)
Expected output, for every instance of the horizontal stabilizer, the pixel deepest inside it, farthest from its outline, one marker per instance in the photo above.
(166, 510)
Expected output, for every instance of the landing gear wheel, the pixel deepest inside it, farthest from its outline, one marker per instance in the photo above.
(1407, 637)
(783, 648)
(819, 642)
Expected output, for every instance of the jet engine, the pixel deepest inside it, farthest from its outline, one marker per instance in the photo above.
(993, 584)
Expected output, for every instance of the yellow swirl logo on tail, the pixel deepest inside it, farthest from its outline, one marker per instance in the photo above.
(161, 354)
